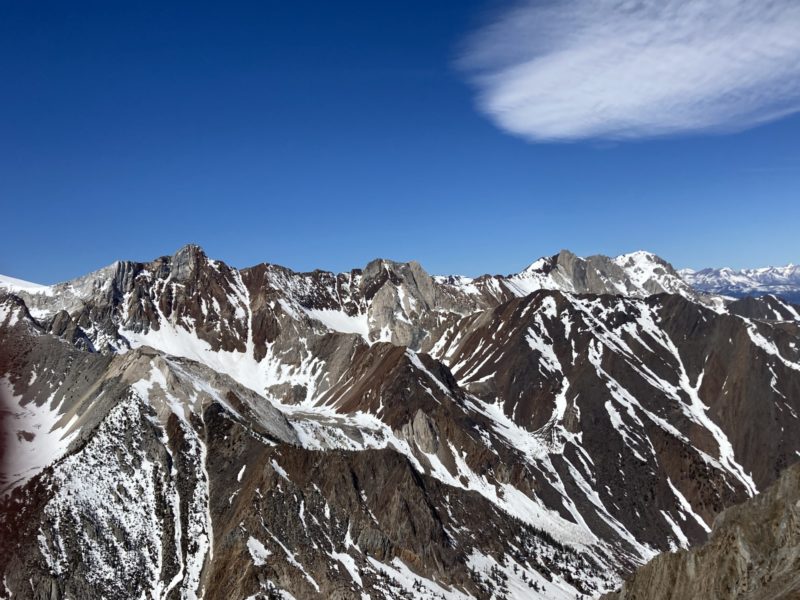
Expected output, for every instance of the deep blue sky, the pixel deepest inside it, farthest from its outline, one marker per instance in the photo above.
(320, 134)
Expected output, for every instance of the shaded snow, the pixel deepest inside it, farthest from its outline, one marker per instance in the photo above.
(41, 435)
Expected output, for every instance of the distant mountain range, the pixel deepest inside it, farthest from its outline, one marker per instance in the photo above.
(181, 428)
(783, 282)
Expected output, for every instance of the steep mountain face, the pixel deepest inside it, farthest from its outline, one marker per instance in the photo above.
(764, 308)
(380, 431)
(753, 552)
(783, 282)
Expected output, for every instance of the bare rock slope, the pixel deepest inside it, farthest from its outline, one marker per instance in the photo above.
(753, 553)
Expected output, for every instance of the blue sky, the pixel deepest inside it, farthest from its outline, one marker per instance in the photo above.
(322, 135)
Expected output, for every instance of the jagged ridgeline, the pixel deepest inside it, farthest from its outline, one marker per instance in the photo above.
(184, 429)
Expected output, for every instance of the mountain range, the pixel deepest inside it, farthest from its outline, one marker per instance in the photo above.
(181, 428)
(783, 282)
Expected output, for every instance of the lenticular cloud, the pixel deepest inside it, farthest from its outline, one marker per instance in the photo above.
(623, 69)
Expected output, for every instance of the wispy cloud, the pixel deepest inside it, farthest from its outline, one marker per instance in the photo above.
(622, 69)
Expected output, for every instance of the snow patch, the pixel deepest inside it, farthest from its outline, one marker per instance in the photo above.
(340, 321)
(258, 552)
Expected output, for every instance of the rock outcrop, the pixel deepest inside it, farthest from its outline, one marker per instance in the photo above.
(753, 553)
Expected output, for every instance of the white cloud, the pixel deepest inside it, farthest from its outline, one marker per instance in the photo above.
(622, 69)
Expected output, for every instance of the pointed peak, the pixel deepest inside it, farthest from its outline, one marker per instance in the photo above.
(189, 250)
(545, 264)
(392, 266)
(187, 261)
